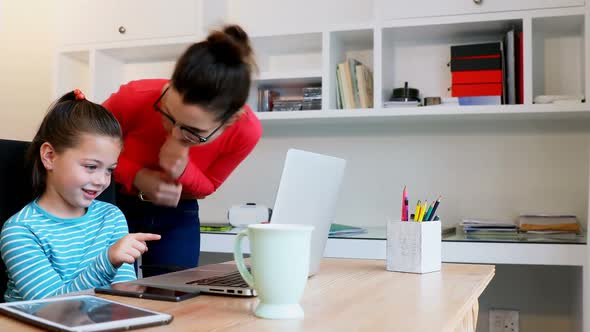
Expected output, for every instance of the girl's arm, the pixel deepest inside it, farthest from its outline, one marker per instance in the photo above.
(33, 274)
(35, 277)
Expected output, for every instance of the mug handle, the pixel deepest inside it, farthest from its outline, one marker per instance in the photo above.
(239, 258)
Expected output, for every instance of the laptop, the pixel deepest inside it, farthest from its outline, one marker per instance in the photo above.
(307, 194)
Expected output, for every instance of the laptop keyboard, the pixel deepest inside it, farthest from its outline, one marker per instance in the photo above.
(233, 279)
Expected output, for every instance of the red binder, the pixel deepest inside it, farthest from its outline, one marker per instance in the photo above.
(476, 76)
(480, 89)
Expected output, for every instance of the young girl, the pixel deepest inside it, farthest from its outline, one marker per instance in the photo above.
(65, 241)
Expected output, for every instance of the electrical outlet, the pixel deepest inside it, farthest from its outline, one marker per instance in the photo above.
(502, 320)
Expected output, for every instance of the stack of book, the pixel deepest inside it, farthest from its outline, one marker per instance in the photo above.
(284, 104)
(549, 224)
(354, 88)
(476, 73)
(312, 98)
(488, 227)
(488, 73)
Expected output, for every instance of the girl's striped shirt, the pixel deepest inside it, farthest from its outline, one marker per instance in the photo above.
(46, 255)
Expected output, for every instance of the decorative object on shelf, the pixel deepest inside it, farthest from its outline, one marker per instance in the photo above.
(430, 101)
(557, 99)
(405, 94)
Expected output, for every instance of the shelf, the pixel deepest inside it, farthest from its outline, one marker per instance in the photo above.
(289, 78)
(558, 55)
(284, 53)
(419, 54)
(455, 252)
(484, 112)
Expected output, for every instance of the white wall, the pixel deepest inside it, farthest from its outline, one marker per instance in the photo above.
(27, 34)
(496, 170)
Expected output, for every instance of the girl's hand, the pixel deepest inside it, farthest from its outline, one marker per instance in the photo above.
(174, 157)
(158, 187)
(129, 248)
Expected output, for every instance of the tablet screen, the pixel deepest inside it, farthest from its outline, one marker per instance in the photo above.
(80, 310)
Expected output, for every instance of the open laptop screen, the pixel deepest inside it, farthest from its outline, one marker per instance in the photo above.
(308, 193)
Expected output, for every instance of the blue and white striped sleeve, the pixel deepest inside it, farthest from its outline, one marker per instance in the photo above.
(125, 272)
(32, 273)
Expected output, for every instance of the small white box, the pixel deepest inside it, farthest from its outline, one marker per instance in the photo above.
(413, 246)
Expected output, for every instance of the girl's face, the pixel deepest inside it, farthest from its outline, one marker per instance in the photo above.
(76, 176)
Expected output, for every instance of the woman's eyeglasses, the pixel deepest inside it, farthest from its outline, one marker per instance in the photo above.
(188, 133)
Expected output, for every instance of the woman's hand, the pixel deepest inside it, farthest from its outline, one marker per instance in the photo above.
(158, 187)
(129, 248)
(174, 157)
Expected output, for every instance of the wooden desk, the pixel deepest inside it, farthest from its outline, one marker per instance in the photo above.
(347, 295)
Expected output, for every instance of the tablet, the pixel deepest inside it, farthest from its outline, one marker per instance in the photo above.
(83, 313)
(146, 292)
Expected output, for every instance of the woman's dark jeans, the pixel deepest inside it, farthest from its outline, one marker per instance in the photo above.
(179, 246)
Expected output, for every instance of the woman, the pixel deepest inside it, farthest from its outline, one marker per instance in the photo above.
(182, 138)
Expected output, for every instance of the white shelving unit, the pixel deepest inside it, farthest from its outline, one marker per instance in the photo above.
(299, 43)
(452, 252)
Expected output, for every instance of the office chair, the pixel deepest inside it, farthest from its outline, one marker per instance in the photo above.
(16, 189)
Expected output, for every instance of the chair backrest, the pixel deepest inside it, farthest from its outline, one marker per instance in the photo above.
(16, 188)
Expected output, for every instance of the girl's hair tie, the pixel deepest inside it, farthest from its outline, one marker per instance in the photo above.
(79, 94)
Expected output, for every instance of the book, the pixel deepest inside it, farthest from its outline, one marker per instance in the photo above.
(480, 100)
(549, 223)
(519, 69)
(476, 76)
(478, 89)
(473, 50)
(492, 63)
(365, 86)
(486, 226)
(215, 227)
(352, 63)
(339, 92)
(339, 229)
(347, 92)
(510, 65)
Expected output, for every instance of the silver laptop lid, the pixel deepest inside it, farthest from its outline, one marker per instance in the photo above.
(307, 194)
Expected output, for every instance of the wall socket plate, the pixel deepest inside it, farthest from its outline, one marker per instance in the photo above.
(504, 320)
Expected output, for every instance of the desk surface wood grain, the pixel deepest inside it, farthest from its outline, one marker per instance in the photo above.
(347, 295)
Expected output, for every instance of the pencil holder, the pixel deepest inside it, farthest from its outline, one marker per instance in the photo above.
(413, 247)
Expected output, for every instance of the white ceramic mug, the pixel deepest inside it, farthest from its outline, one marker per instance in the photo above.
(280, 264)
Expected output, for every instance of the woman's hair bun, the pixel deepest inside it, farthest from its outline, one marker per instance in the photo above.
(231, 45)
